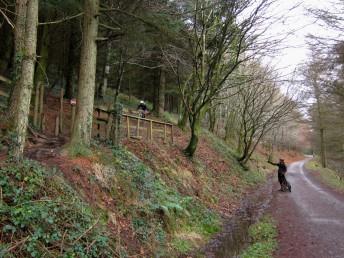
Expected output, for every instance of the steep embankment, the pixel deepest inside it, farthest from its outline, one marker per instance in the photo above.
(144, 198)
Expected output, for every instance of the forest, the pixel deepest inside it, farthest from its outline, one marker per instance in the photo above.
(108, 178)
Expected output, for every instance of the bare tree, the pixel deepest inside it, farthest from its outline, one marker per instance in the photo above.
(221, 34)
(260, 107)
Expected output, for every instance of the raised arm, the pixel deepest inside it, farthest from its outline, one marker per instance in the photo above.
(275, 164)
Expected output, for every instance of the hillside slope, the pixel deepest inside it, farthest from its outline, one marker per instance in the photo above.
(144, 198)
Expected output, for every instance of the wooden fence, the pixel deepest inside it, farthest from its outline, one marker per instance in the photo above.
(134, 127)
(131, 126)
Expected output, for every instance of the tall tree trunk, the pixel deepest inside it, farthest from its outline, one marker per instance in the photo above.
(82, 130)
(322, 148)
(229, 127)
(159, 94)
(19, 42)
(212, 119)
(40, 76)
(156, 86)
(195, 126)
(106, 69)
(26, 80)
(240, 138)
(70, 66)
(321, 126)
(162, 89)
(183, 117)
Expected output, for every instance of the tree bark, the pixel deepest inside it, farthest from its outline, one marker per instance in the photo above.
(322, 149)
(70, 66)
(40, 76)
(82, 130)
(159, 94)
(106, 69)
(19, 42)
(183, 118)
(321, 126)
(195, 126)
(162, 89)
(212, 119)
(26, 80)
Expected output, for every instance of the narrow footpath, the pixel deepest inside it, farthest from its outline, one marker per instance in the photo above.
(310, 218)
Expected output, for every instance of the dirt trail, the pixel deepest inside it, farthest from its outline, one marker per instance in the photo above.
(310, 218)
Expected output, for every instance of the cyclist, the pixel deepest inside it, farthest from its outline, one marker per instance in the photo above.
(142, 108)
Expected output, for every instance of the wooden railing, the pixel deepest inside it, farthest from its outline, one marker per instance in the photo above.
(135, 126)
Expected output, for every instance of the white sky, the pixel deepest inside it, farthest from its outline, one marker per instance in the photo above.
(294, 48)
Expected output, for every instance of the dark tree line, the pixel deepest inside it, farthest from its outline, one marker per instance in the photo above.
(187, 52)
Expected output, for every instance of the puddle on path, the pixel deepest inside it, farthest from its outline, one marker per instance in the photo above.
(234, 235)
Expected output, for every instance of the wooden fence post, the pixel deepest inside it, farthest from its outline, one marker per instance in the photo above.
(73, 117)
(61, 109)
(57, 125)
(98, 125)
(109, 126)
(165, 133)
(43, 122)
(148, 130)
(128, 127)
(138, 128)
(151, 130)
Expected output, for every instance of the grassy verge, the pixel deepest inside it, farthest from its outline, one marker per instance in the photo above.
(328, 176)
(263, 237)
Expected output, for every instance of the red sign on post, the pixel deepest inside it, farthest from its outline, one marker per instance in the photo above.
(73, 102)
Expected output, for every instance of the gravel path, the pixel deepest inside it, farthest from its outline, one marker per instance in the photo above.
(310, 218)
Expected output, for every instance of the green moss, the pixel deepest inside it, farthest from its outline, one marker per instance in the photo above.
(263, 237)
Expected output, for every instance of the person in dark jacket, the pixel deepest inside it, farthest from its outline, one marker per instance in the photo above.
(142, 108)
(282, 169)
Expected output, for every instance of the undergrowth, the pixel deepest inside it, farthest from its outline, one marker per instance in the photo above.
(158, 212)
(249, 177)
(41, 216)
(263, 237)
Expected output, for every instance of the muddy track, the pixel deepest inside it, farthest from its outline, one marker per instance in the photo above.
(44, 149)
(234, 235)
(310, 218)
